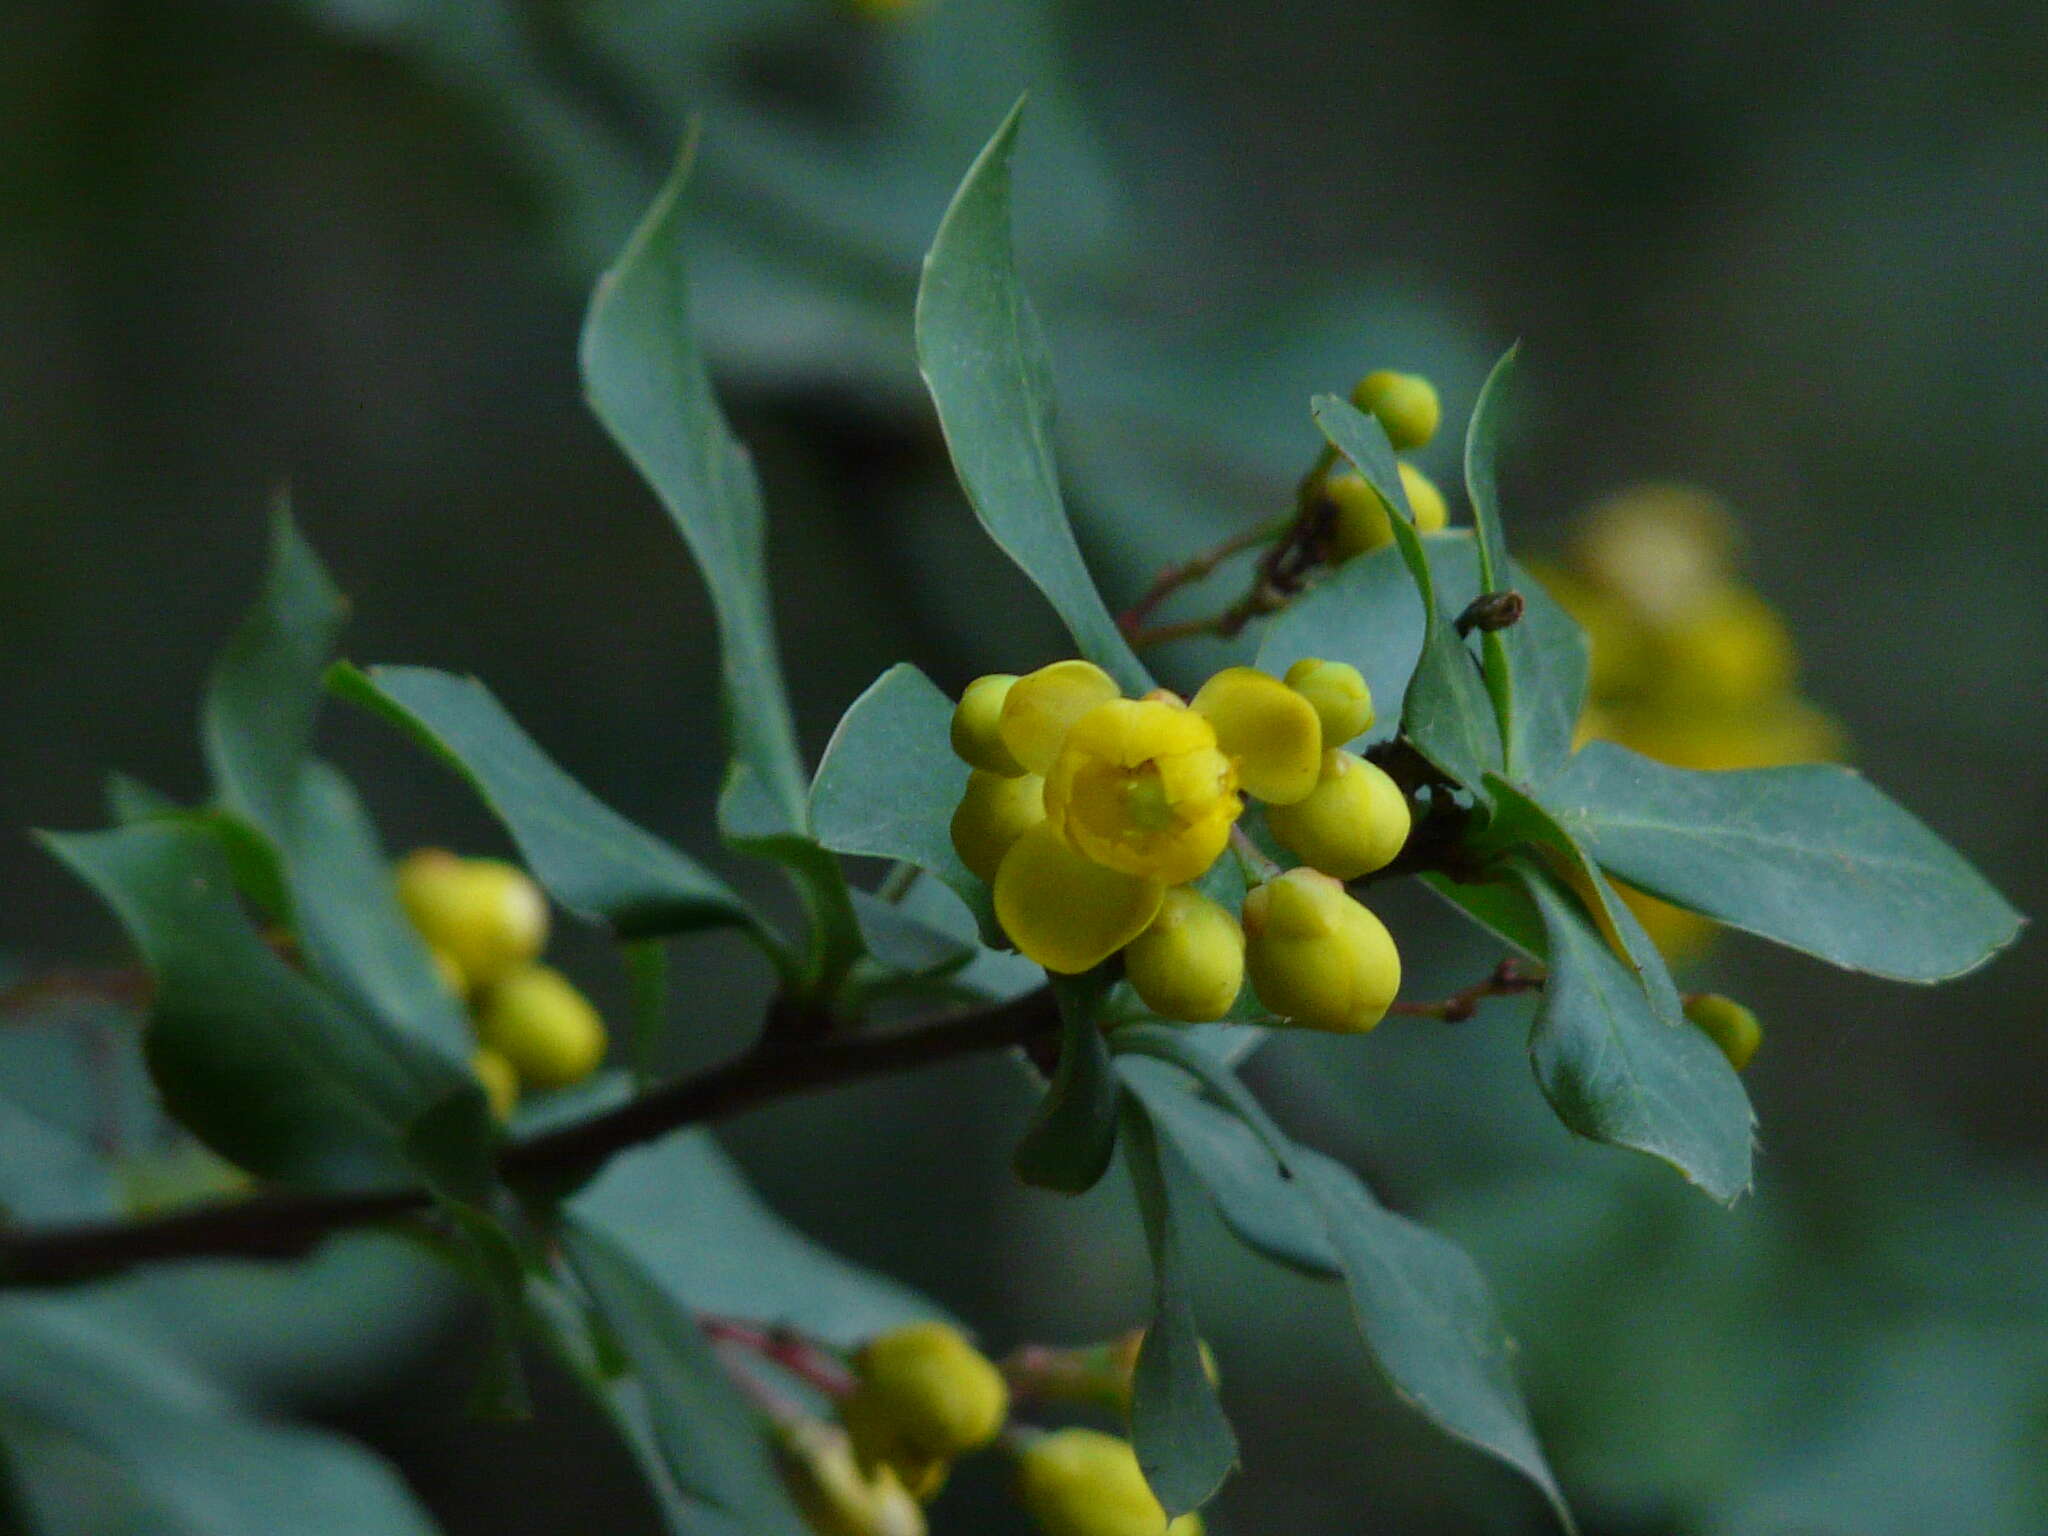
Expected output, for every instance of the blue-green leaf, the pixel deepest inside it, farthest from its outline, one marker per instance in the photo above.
(1267, 1208)
(264, 695)
(1072, 1137)
(1482, 484)
(645, 379)
(1501, 907)
(1184, 1443)
(1552, 665)
(984, 361)
(710, 1443)
(660, 1201)
(591, 859)
(256, 1059)
(889, 783)
(1446, 712)
(1425, 1311)
(1812, 856)
(1616, 1072)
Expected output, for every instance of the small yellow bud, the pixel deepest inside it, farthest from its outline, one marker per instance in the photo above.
(1272, 733)
(1353, 822)
(1316, 957)
(1406, 404)
(1040, 708)
(978, 722)
(485, 915)
(832, 1491)
(1362, 525)
(1339, 695)
(1082, 1482)
(993, 813)
(500, 1080)
(1732, 1027)
(924, 1395)
(1189, 965)
(1141, 786)
(537, 1020)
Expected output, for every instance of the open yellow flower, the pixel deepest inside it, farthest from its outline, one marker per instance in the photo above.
(1141, 786)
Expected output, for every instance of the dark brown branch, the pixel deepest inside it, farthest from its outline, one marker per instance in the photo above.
(282, 1225)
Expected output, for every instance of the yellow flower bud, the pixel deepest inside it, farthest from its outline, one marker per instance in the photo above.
(924, 1394)
(1338, 693)
(1733, 1027)
(500, 1079)
(485, 915)
(1189, 965)
(1082, 1482)
(1040, 708)
(832, 1491)
(1141, 786)
(537, 1020)
(993, 813)
(1406, 404)
(977, 725)
(1362, 525)
(1271, 732)
(1353, 822)
(1317, 958)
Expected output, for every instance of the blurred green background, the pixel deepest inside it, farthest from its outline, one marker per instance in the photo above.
(1791, 254)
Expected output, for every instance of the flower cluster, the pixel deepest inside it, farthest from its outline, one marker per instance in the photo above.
(1407, 406)
(486, 923)
(1093, 817)
(922, 1396)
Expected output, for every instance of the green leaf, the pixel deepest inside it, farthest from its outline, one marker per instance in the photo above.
(264, 695)
(1616, 1072)
(348, 919)
(592, 860)
(1268, 1210)
(983, 358)
(1814, 856)
(192, 1464)
(661, 1202)
(646, 381)
(1552, 666)
(50, 1173)
(1501, 907)
(1424, 1309)
(261, 1063)
(1072, 1137)
(1482, 484)
(1446, 712)
(889, 782)
(711, 1444)
(1184, 1443)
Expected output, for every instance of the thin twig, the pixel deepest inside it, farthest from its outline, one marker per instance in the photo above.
(1508, 980)
(1132, 620)
(283, 1225)
(809, 1362)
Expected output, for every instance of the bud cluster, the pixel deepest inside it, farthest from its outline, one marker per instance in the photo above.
(1093, 817)
(1407, 407)
(486, 923)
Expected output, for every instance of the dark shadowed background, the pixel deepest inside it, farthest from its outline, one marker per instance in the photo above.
(1794, 255)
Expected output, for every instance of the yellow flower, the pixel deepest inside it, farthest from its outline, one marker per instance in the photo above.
(1189, 965)
(1733, 1027)
(978, 722)
(1039, 709)
(1064, 910)
(1317, 958)
(1405, 403)
(1338, 692)
(1141, 786)
(486, 916)
(1728, 650)
(1082, 1482)
(1270, 731)
(993, 813)
(537, 1020)
(1353, 822)
(832, 1491)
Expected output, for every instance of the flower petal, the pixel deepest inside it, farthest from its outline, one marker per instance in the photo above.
(1064, 910)
(1272, 732)
(1041, 707)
